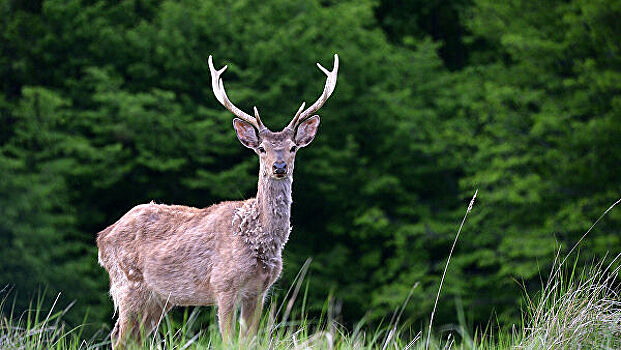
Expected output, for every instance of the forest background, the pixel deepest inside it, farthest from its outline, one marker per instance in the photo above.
(107, 104)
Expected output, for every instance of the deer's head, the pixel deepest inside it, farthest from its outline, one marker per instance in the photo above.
(276, 150)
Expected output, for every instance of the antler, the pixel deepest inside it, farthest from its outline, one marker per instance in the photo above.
(218, 89)
(327, 91)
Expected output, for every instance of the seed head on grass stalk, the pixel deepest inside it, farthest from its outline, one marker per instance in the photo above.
(446, 267)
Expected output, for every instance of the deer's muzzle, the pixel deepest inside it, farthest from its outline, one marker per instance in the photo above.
(280, 167)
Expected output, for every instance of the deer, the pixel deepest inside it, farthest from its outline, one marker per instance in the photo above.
(228, 254)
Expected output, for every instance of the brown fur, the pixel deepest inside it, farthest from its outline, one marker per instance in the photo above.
(230, 253)
(159, 256)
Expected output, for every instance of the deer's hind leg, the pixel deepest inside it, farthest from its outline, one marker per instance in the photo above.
(122, 330)
(125, 324)
(153, 311)
(139, 309)
(139, 315)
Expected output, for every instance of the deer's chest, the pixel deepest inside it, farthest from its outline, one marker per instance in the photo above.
(264, 276)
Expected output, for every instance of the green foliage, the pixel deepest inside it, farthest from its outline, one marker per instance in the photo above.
(108, 104)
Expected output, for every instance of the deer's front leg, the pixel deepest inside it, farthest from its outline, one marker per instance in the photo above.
(226, 308)
(251, 314)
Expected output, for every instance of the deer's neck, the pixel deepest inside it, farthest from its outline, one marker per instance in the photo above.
(263, 222)
(274, 205)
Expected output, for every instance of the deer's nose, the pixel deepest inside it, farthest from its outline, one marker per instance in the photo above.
(280, 167)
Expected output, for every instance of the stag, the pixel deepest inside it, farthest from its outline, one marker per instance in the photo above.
(228, 254)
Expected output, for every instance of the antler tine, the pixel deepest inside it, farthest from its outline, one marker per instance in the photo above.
(258, 118)
(295, 119)
(327, 91)
(218, 90)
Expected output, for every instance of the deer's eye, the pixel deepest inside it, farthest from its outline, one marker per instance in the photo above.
(261, 149)
(293, 149)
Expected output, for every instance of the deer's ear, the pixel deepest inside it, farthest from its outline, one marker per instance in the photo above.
(306, 131)
(246, 133)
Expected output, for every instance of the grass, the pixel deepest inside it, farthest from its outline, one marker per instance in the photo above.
(575, 309)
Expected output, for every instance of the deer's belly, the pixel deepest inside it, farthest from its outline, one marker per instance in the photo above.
(180, 280)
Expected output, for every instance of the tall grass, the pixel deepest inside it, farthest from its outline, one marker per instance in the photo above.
(575, 309)
(36, 329)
